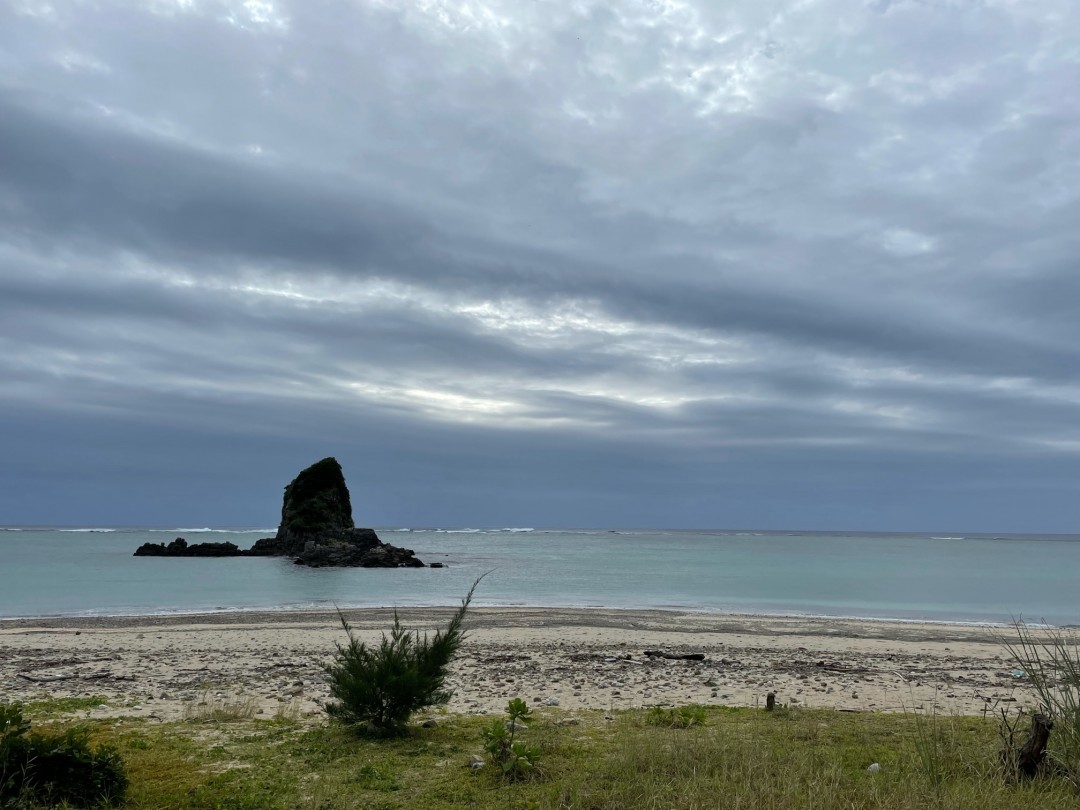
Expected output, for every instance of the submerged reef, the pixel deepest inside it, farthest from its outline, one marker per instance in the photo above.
(316, 529)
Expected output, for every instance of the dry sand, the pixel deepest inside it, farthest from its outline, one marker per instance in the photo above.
(161, 667)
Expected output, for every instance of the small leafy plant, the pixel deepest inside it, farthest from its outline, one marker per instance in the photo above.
(515, 759)
(38, 769)
(380, 687)
(679, 717)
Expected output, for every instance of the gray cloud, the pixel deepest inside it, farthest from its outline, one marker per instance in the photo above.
(616, 259)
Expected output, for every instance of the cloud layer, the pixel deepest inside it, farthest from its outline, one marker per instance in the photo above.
(811, 265)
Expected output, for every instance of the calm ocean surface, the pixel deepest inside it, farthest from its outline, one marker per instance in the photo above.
(974, 578)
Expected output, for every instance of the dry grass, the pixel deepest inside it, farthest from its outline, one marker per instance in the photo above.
(211, 708)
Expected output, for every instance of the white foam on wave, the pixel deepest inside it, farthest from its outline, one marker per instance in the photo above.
(84, 531)
(480, 531)
(208, 530)
(947, 538)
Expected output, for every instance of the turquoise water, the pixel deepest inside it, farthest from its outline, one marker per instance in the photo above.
(976, 578)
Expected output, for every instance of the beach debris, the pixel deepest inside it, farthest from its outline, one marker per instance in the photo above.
(1026, 761)
(833, 666)
(874, 768)
(476, 762)
(1018, 673)
(675, 656)
(770, 701)
(551, 701)
(47, 678)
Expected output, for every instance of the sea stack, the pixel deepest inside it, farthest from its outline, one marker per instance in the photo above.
(316, 529)
(317, 526)
(316, 508)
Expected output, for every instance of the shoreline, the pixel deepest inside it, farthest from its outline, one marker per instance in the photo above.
(161, 666)
(267, 614)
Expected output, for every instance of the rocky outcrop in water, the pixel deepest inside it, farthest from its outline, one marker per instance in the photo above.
(355, 547)
(316, 529)
(180, 548)
(316, 505)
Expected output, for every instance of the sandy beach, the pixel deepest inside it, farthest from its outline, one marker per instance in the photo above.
(162, 666)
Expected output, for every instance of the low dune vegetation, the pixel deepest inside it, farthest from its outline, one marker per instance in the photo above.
(726, 758)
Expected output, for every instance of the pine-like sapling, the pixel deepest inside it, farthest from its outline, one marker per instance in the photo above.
(379, 687)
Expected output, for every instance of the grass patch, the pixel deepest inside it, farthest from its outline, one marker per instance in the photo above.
(677, 717)
(733, 758)
(209, 709)
(59, 706)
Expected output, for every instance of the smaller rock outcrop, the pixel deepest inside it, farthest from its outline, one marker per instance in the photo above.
(356, 547)
(180, 548)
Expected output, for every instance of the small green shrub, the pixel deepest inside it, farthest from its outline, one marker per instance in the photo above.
(54, 769)
(380, 687)
(680, 717)
(514, 758)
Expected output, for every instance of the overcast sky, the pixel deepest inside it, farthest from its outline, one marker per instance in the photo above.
(810, 264)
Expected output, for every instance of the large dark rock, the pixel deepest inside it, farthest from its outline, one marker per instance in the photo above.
(316, 504)
(180, 548)
(316, 529)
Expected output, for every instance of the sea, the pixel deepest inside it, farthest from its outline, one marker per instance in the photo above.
(962, 578)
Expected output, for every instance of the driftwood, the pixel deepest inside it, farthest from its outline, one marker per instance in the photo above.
(835, 667)
(46, 678)
(674, 656)
(1026, 761)
(103, 675)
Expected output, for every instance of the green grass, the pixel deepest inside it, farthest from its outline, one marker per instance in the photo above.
(735, 758)
(48, 707)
